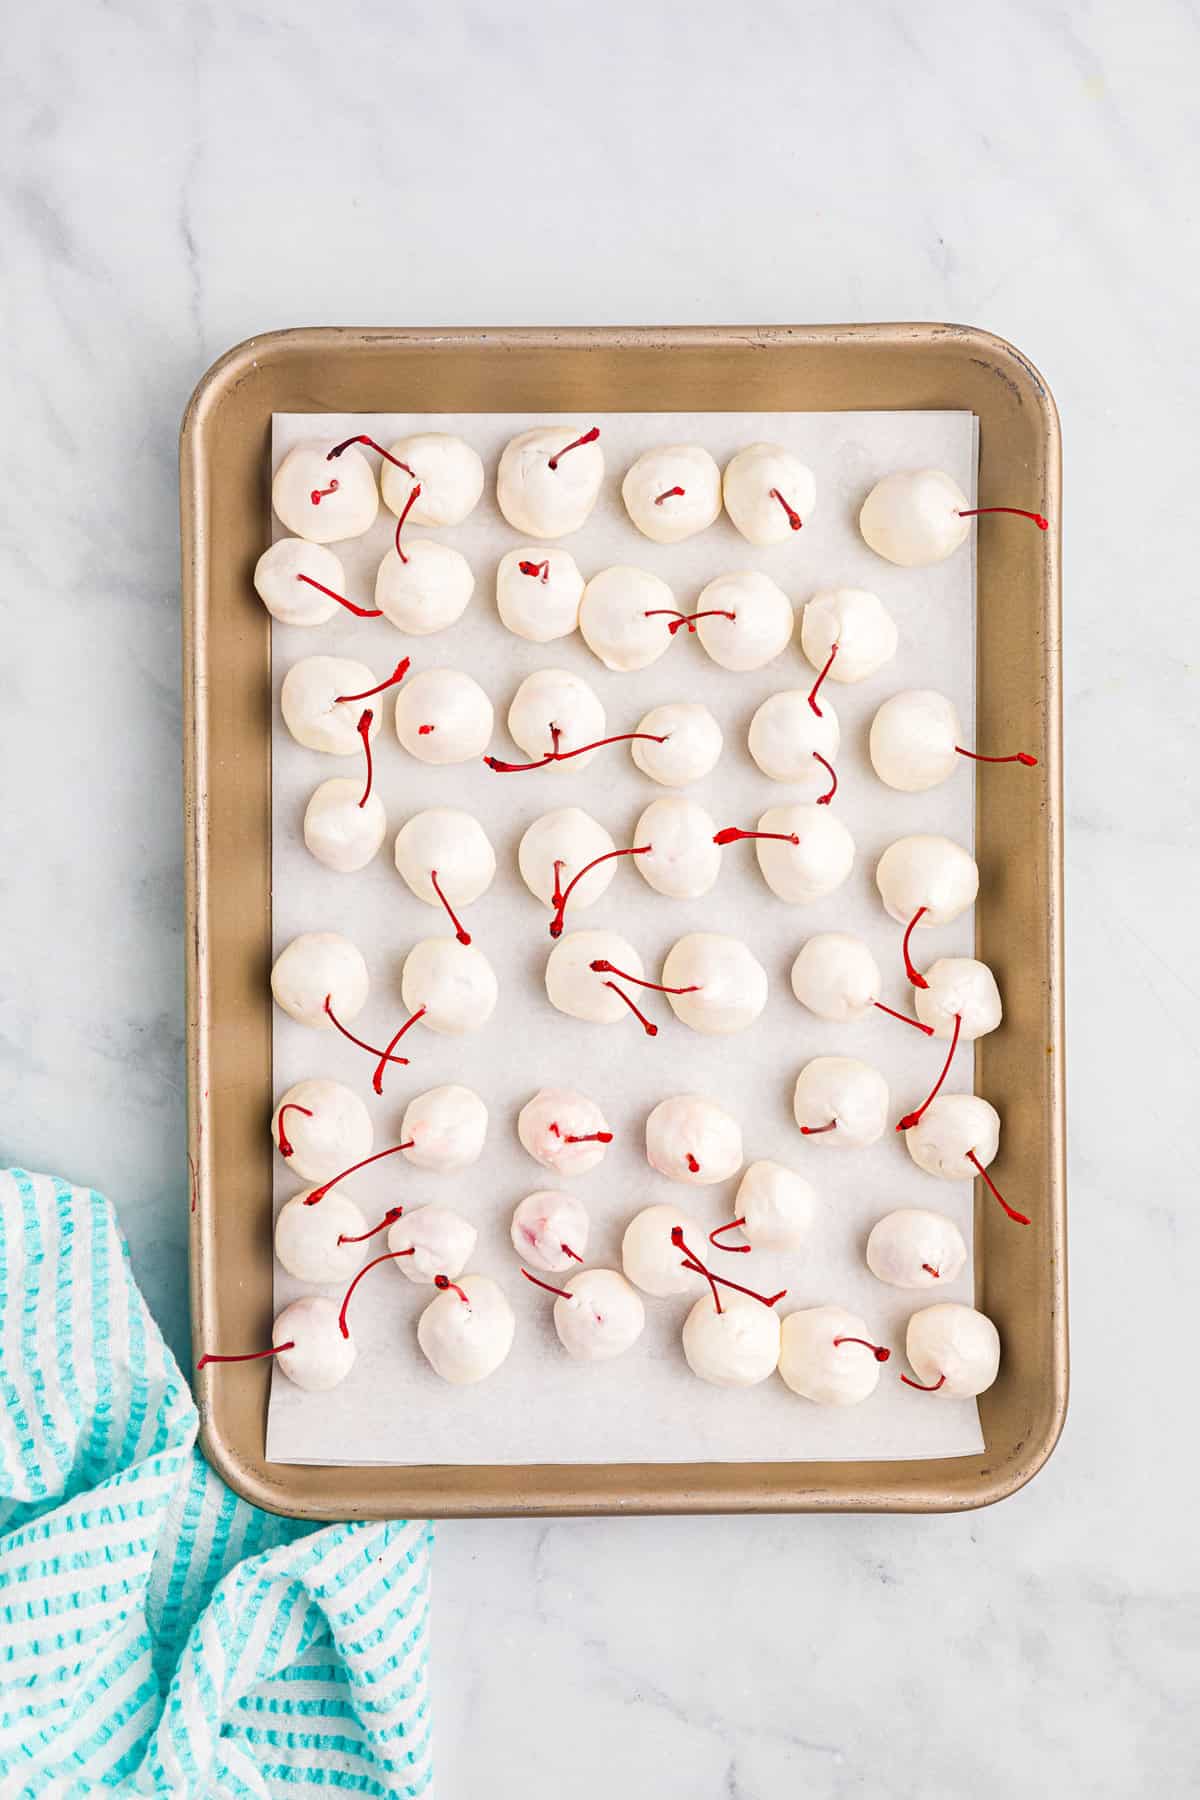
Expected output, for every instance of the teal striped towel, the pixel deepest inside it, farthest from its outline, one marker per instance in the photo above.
(159, 1636)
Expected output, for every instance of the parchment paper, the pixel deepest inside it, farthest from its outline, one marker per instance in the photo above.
(645, 1406)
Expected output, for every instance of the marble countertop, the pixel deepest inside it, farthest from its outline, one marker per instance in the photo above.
(174, 180)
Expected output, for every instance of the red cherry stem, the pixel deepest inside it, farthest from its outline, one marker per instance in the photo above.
(824, 799)
(371, 445)
(914, 975)
(408, 506)
(360, 612)
(387, 1057)
(590, 1137)
(972, 512)
(285, 1143)
(563, 1293)
(460, 931)
(589, 437)
(649, 1029)
(741, 1249)
(246, 1356)
(444, 1282)
(930, 1270)
(1020, 756)
(371, 1049)
(389, 1218)
(926, 1387)
(536, 569)
(556, 923)
(1018, 1217)
(794, 519)
(388, 1256)
(669, 494)
(813, 691)
(556, 755)
(319, 1193)
(397, 674)
(816, 1130)
(364, 732)
(914, 1118)
(319, 494)
(693, 1261)
(903, 1018)
(732, 835)
(879, 1351)
(692, 1164)
(680, 619)
(603, 967)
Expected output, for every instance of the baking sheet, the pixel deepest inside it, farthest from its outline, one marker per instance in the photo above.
(645, 1407)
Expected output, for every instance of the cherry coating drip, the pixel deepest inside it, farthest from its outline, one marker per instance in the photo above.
(649, 1029)
(362, 438)
(1018, 1217)
(246, 1356)
(414, 493)
(556, 923)
(285, 1143)
(880, 1351)
(364, 731)
(388, 1256)
(557, 755)
(603, 967)
(824, 799)
(692, 1164)
(732, 835)
(903, 1018)
(318, 494)
(590, 1137)
(460, 931)
(371, 1049)
(386, 1057)
(397, 674)
(536, 569)
(589, 437)
(680, 619)
(669, 494)
(444, 1282)
(816, 1130)
(691, 1260)
(732, 1225)
(563, 1293)
(389, 1218)
(319, 1193)
(971, 512)
(930, 1270)
(794, 519)
(914, 1118)
(926, 1387)
(360, 612)
(914, 975)
(815, 688)
(1020, 756)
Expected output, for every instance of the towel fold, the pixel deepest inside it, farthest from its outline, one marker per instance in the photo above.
(159, 1636)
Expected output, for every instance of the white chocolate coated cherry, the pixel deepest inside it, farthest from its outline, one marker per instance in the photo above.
(450, 844)
(693, 1140)
(682, 858)
(286, 597)
(550, 1229)
(541, 501)
(448, 471)
(570, 838)
(426, 590)
(313, 713)
(443, 716)
(819, 1368)
(601, 1316)
(563, 1130)
(913, 740)
(441, 1240)
(927, 874)
(953, 1350)
(769, 493)
(858, 623)
(451, 984)
(555, 697)
(467, 1340)
(730, 982)
(625, 616)
(949, 1129)
(817, 865)
(845, 1092)
(325, 500)
(649, 1258)
(914, 517)
(338, 1132)
(307, 1237)
(538, 593)
(759, 630)
(777, 1207)
(836, 977)
(736, 1347)
(339, 829)
(912, 1248)
(448, 1126)
(786, 737)
(580, 991)
(959, 986)
(320, 1357)
(692, 747)
(656, 509)
(315, 967)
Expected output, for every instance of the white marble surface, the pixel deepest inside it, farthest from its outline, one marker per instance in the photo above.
(1031, 169)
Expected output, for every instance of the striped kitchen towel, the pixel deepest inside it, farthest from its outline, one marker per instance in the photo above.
(159, 1636)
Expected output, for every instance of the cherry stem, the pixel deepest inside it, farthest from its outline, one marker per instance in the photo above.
(732, 835)
(903, 1018)
(914, 1118)
(319, 1193)
(669, 494)
(589, 437)
(556, 923)
(692, 1164)
(360, 612)
(693, 1261)
(816, 1130)
(649, 1029)
(930, 1270)
(794, 519)
(444, 1283)
(1018, 1217)
(319, 494)
(824, 799)
(424, 730)
(971, 512)
(387, 1057)
(364, 732)
(603, 967)
(460, 931)
(413, 494)
(880, 1351)
(740, 1249)
(1021, 756)
(563, 1293)
(536, 569)
(680, 619)
(285, 1143)
(397, 674)
(926, 1387)
(813, 691)
(590, 1137)
(362, 438)
(388, 1256)
(371, 1049)
(246, 1356)
(914, 975)
(557, 755)
(389, 1218)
